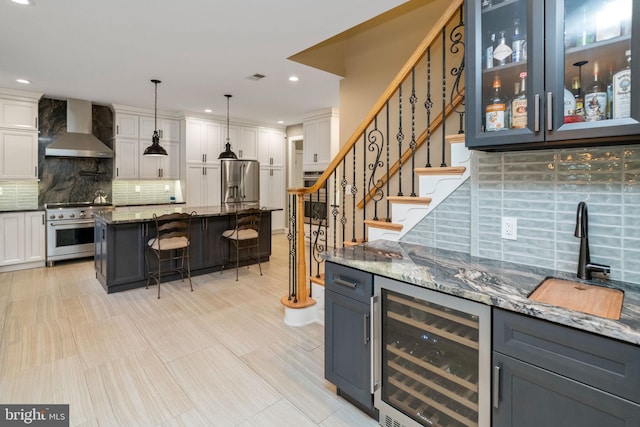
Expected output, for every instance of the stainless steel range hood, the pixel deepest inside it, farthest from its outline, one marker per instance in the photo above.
(79, 141)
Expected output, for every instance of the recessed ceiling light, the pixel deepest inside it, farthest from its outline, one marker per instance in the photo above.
(280, 122)
(24, 2)
(23, 81)
(208, 110)
(293, 79)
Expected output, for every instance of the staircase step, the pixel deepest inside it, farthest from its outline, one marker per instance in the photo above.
(410, 200)
(456, 138)
(317, 280)
(456, 170)
(383, 224)
(350, 243)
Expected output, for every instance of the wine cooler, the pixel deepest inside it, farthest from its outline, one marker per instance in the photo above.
(432, 356)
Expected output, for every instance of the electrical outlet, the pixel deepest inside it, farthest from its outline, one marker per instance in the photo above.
(137, 188)
(509, 228)
(166, 188)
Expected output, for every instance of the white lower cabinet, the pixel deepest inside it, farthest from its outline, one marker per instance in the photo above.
(272, 194)
(23, 238)
(203, 185)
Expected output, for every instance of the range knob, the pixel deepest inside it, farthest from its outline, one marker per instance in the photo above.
(72, 216)
(60, 216)
(52, 217)
(82, 214)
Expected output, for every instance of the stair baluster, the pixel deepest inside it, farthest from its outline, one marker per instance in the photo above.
(428, 105)
(412, 145)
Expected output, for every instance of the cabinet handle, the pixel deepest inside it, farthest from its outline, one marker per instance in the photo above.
(204, 171)
(117, 172)
(375, 368)
(549, 110)
(36, 168)
(536, 113)
(203, 158)
(342, 282)
(42, 219)
(270, 172)
(117, 129)
(365, 329)
(160, 133)
(36, 122)
(270, 160)
(240, 153)
(315, 158)
(496, 386)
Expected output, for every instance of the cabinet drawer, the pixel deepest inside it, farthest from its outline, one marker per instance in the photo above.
(604, 363)
(348, 281)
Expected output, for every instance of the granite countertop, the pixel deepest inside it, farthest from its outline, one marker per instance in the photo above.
(497, 283)
(145, 213)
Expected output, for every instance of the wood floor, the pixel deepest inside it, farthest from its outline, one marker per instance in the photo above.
(218, 356)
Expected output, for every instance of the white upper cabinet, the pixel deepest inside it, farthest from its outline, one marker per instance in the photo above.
(244, 141)
(18, 155)
(271, 147)
(321, 140)
(134, 133)
(126, 126)
(202, 141)
(18, 114)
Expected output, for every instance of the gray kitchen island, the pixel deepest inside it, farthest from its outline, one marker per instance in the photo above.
(121, 238)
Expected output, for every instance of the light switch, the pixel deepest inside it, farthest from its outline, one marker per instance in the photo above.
(137, 188)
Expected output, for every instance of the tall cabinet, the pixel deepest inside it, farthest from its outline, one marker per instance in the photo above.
(571, 56)
(321, 139)
(271, 153)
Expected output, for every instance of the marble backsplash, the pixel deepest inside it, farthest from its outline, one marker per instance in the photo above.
(71, 179)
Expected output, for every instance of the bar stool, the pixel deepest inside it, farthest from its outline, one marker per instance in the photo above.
(169, 247)
(245, 235)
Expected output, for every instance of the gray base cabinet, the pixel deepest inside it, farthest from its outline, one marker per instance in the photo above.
(348, 334)
(120, 250)
(551, 375)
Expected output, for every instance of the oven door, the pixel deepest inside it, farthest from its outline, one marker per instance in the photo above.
(70, 239)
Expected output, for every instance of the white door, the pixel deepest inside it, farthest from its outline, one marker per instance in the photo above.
(35, 234)
(12, 233)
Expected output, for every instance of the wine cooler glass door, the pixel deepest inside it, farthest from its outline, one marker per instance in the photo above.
(434, 358)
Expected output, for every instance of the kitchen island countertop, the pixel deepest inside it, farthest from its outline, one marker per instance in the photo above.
(496, 283)
(145, 213)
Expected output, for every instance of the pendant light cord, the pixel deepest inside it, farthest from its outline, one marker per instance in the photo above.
(228, 138)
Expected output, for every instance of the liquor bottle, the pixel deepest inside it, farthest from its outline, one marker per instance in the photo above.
(569, 107)
(495, 108)
(609, 114)
(507, 113)
(502, 51)
(577, 95)
(519, 105)
(595, 98)
(518, 43)
(488, 57)
(622, 91)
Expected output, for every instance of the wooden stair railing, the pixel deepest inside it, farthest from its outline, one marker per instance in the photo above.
(299, 295)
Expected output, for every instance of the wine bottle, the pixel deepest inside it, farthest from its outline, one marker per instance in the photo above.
(519, 105)
(495, 108)
(622, 91)
(595, 99)
(489, 51)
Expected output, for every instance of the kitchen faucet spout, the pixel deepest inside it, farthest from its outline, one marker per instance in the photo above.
(585, 266)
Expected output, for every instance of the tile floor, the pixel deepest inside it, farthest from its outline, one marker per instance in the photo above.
(220, 356)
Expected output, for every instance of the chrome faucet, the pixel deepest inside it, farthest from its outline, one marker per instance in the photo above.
(585, 267)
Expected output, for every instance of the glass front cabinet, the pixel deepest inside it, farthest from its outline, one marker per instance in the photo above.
(551, 73)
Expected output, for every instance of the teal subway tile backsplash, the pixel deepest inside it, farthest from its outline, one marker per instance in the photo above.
(542, 190)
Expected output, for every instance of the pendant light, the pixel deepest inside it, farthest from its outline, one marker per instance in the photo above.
(227, 153)
(155, 149)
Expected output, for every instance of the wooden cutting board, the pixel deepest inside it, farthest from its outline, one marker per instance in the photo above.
(590, 299)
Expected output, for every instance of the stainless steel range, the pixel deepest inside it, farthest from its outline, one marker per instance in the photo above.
(70, 230)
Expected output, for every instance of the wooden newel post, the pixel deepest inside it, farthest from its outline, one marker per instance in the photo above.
(302, 292)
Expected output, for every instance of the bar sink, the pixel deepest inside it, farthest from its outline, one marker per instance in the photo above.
(590, 299)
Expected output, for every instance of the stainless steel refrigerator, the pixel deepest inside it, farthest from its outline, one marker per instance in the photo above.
(240, 181)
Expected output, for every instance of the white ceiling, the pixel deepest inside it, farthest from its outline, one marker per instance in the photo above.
(106, 51)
